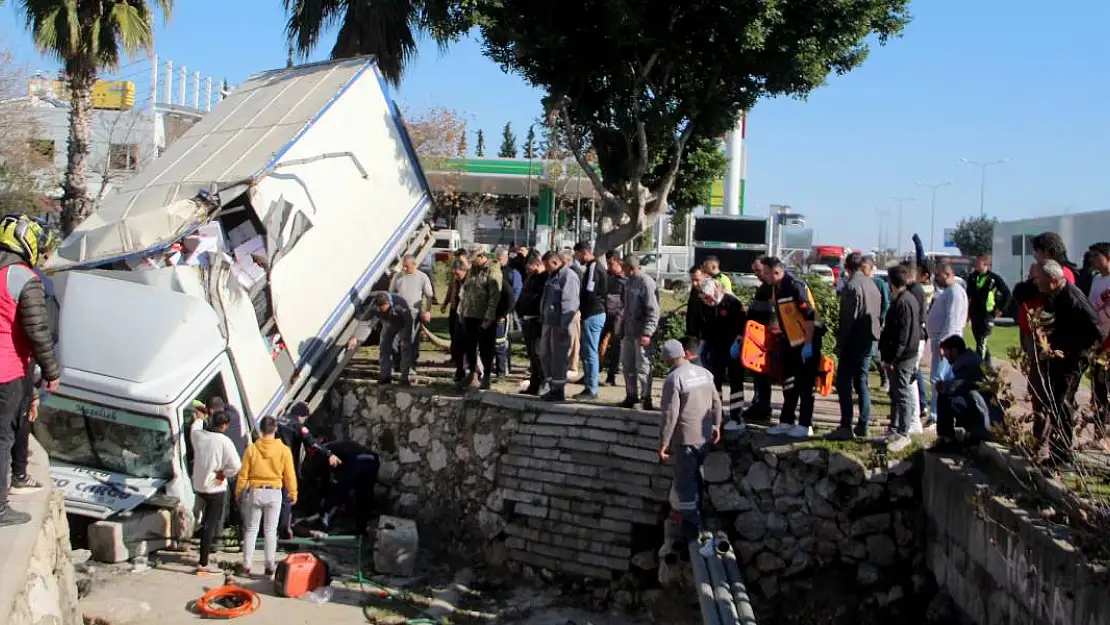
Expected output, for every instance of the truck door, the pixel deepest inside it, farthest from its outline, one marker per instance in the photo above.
(218, 381)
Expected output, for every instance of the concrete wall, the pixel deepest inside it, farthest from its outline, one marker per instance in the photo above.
(561, 486)
(1001, 563)
(37, 581)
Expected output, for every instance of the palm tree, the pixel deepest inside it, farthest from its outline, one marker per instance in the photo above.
(88, 36)
(387, 29)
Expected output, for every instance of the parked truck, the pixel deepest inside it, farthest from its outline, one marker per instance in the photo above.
(232, 266)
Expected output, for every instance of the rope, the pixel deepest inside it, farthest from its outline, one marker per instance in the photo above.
(228, 602)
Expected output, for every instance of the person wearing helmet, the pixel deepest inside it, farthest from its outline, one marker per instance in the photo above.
(25, 337)
(21, 481)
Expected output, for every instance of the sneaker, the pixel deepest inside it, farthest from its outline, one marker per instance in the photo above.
(897, 443)
(485, 383)
(25, 484)
(800, 431)
(840, 434)
(269, 571)
(629, 402)
(735, 427)
(916, 428)
(757, 413)
(13, 517)
(585, 396)
(780, 428)
(208, 569)
(647, 404)
(531, 390)
(860, 430)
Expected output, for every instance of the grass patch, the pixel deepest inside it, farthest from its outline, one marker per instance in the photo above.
(999, 342)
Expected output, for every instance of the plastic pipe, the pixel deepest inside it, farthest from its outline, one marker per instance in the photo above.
(703, 586)
(744, 612)
(722, 590)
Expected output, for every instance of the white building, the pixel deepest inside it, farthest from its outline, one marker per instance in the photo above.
(122, 141)
(1012, 252)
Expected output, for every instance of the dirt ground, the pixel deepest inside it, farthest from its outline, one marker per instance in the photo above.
(125, 594)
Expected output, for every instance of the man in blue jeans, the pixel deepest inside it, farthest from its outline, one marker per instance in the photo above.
(595, 288)
(860, 302)
(692, 413)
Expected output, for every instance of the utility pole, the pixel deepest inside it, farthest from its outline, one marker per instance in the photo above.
(983, 165)
(883, 215)
(901, 201)
(933, 209)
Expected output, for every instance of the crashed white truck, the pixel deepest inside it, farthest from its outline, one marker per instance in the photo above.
(233, 265)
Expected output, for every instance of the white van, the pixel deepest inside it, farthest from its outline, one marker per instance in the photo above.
(231, 266)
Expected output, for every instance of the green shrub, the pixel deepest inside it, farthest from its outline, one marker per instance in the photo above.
(672, 325)
(828, 305)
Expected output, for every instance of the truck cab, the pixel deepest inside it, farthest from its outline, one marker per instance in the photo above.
(233, 266)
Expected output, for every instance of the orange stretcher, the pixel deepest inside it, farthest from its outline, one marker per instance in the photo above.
(755, 353)
(758, 355)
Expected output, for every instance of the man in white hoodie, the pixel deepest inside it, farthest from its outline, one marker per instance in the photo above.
(947, 317)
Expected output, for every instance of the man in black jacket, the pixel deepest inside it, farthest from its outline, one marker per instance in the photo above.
(1070, 326)
(293, 431)
(961, 402)
(987, 297)
(26, 338)
(595, 287)
(898, 347)
(512, 283)
(761, 311)
(531, 325)
(722, 325)
(695, 311)
(614, 314)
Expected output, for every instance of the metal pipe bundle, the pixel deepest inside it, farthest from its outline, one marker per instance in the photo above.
(721, 592)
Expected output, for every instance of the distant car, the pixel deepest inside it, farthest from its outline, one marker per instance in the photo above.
(746, 279)
(824, 271)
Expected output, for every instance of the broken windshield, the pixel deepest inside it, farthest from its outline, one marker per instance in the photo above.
(98, 437)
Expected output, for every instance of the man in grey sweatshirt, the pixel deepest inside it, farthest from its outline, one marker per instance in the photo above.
(415, 287)
(860, 301)
(641, 318)
(692, 413)
(947, 317)
(557, 310)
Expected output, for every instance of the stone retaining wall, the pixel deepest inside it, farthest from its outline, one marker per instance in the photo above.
(1002, 563)
(38, 585)
(793, 509)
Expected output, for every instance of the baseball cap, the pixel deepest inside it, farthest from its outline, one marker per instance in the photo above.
(673, 350)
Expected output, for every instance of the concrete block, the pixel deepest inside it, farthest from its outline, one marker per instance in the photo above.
(139, 534)
(396, 546)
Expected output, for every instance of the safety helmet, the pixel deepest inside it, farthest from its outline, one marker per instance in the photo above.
(31, 238)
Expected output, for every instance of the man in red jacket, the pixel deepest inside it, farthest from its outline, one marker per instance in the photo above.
(25, 338)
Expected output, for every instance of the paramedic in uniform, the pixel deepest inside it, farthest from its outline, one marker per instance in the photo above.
(723, 319)
(691, 409)
(800, 345)
(24, 337)
(641, 317)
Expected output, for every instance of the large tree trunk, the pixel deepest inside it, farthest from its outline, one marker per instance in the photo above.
(76, 204)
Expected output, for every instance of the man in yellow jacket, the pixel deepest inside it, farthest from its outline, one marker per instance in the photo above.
(267, 467)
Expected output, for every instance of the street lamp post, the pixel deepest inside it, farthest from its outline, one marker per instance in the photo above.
(901, 201)
(933, 209)
(983, 165)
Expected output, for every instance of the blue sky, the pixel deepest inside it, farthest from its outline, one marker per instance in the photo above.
(982, 79)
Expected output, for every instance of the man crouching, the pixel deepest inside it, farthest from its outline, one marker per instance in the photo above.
(691, 424)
